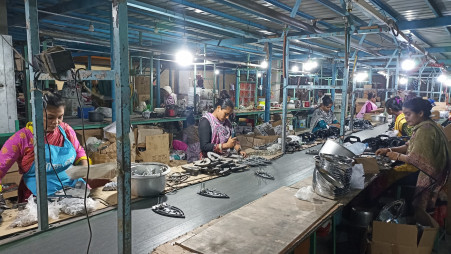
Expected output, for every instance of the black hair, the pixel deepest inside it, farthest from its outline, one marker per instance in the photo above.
(418, 104)
(327, 100)
(371, 95)
(224, 101)
(394, 103)
(52, 99)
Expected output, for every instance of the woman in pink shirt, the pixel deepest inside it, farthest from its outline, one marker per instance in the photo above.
(369, 106)
(60, 140)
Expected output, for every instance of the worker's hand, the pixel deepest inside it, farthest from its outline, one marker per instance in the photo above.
(382, 151)
(393, 156)
(335, 125)
(243, 153)
(230, 143)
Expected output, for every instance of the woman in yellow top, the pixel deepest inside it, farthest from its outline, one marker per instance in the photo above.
(394, 108)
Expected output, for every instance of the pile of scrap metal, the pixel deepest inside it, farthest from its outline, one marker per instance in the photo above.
(384, 141)
(215, 165)
(360, 124)
(255, 161)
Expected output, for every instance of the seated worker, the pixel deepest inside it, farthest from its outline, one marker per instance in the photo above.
(323, 117)
(215, 129)
(170, 98)
(394, 108)
(62, 150)
(369, 106)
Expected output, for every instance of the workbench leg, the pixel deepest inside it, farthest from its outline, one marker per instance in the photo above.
(334, 234)
(313, 243)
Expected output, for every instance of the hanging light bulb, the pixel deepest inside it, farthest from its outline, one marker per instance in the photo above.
(91, 27)
(259, 74)
(310, 65)
(442, 78)
(264, 64)
(184, 57)
(403, 81)
(216, 72)
(361, 76)
(408, 64)
(295, 68)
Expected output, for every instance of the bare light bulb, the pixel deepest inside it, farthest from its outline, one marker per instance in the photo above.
(408, 64)
(295, 68)
(264, 64)
(184, 57)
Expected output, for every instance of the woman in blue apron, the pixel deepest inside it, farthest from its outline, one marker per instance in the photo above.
(62, 150)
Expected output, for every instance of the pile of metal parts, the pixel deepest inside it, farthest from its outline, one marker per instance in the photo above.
(392, 211)
(384, 141)
(359, 124)
(332, 175)
(327, 133)
(215, 165)
(255, 161)
(263, 174)
(307, 137)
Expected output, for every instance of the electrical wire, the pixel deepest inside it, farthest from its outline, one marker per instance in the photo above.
(75, 76)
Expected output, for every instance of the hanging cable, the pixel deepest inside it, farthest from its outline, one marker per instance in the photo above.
(75, 76)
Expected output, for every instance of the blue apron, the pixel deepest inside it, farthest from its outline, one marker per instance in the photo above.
(62, 159)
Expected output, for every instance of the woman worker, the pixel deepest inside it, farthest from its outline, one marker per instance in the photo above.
(60, 140)
(394, 107)
(215, 129)
(170, 98)
(369, 106)
(323, 116)
(428, 150)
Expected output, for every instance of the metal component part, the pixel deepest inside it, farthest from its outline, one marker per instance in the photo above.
(211, 193)
(264, 174)
(168, 210)
(203, 163)
(392, 211)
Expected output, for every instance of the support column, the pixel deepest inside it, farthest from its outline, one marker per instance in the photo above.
(3, 17)
(398, 60)
(113, 82)
(387, 84)
(120, 28)
(223, 80)
(151, 81)
(237, 90)
(44, 47)
(351, 122)
(27, 86)
(268, 85)
(158, 82)
(195, 85)
(344, 88)
(285, 94)
(214, 83)
(89, 68)
(170, 76)
(256, 89)
(31, 16)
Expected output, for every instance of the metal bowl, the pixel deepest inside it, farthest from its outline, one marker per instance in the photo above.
(378, 118)
(148, 179)
(332, 147)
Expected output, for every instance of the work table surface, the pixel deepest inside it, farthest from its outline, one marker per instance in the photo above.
(150, 230)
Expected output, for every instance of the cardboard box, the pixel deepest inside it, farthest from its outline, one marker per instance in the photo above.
(98, 133)
(367, 116)
(391, 238)
(435, 115)
(12, 177)
(157, 149)
(143, 133)
(143, 97)
(263, 140)
(368, 87)
(370, 165)
(439, 106)
(142, 85)
(246, 141)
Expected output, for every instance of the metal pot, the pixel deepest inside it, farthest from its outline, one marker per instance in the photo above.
(332, 147)
(95, 116)
(378, 118)
(148, 179)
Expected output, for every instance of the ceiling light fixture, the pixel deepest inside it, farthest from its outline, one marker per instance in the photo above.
(264, 64)
(310, 65)
(259, 74)
(403, 81)
(408, 64)
(361, 76)
(217, 72)
(295, 68)
(442, 78)
(184, 58)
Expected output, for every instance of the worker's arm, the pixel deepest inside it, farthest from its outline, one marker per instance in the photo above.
(13, 149)
(81, 158)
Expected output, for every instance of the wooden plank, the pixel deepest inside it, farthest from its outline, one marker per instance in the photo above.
(268, 225)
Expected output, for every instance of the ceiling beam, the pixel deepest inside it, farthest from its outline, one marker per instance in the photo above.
(425, 23)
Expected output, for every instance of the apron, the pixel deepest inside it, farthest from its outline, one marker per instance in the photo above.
(62, 159)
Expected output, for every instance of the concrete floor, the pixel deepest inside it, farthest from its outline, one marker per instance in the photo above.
(150, 230)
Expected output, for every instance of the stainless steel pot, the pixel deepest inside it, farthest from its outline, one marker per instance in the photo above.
(148, 179)
(378, 118)
(332, 147)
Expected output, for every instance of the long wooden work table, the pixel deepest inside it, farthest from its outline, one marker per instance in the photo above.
(259, 217)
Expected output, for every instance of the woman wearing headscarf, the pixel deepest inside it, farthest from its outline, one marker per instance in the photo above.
(394, 107)
(215, 129)
(170, 98)
(323, 116)
(369, 106)
(428, 150)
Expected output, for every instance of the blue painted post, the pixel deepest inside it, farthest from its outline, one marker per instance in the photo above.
(170, 76)
(237, 90)
(268, 85)
(113, 82)
(27, 88)
(334, 81)
(140, 65)
(223, 80)
(31, 16)
(158, 81)
(195, 85)
(285, 94)
(398, 63)
(214, 83)
(387, 83)
(89, 68)
(344, 88)
(151, 81)
(351, 122)
(120, 29)
(261, 83)
(256, 89)
(44, 47)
